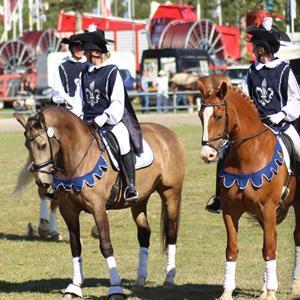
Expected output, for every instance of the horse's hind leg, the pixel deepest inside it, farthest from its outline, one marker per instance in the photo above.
(55, 235)
(43, 228)
(171, 200)
(70, 214)
(139, 214)
(296, 276)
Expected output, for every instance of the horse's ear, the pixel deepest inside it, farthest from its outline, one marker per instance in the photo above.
(20, 118)
(222, 91)
(202, 87)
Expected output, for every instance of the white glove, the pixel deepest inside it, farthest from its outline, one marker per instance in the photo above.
(277, 118)
(101, 120)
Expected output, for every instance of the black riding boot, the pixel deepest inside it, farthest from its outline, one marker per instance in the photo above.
(214, 203)
(131, 193)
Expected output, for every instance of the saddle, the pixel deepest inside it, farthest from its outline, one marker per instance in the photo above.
(289, 144)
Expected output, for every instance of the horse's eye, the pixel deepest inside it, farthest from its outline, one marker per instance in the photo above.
(218, 118)
(42, 147)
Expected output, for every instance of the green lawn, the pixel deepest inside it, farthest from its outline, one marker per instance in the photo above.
(34, 269)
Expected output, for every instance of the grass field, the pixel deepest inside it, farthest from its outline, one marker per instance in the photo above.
(34, 269)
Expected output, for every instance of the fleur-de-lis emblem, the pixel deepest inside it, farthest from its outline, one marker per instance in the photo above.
(265, 94)
(92, 94)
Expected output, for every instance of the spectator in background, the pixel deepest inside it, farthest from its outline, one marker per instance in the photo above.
(162, 85)
(67, 76)
(144, 89)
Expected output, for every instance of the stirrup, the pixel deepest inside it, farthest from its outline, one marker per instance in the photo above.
(213, 204)
(133, 197)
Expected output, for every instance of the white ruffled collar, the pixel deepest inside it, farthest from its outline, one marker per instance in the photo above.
(272, 64)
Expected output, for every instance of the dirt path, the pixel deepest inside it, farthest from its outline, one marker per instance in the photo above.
(11, 125)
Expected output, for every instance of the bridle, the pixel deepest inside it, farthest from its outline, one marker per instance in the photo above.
(34, 167)
(225, 136)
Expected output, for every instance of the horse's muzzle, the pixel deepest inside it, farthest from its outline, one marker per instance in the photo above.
(208, 154)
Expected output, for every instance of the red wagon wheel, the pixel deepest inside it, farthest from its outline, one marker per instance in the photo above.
(203, 34)
(42, 41)
(15, 57)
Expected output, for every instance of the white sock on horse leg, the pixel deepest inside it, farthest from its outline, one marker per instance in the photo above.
(296, 274)
(229, 276)
(53, 222)
(143, 262)
(44, 209)
(271, 280)
(113, 273)
(171, 260)
(77, 271)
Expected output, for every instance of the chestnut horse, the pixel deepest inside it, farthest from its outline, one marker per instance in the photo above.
(189, 81)
(254, 175)
(63, 147)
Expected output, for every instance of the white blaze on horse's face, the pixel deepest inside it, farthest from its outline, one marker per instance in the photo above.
(207, 154)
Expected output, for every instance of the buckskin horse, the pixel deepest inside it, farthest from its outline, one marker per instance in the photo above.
(64, 148)
(253, 177)
(189, 81)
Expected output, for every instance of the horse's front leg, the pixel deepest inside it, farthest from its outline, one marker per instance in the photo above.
(70, 214)
(269, 252)
(296, 275)
(231, 221)
(139, 215)
(101, 219)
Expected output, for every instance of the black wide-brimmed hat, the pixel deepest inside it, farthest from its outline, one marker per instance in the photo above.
(267, 35)
(95, 40)
(72, 41)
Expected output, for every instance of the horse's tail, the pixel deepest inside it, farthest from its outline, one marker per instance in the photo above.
(24, 178)
(164, 220)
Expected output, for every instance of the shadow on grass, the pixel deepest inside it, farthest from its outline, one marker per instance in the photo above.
(179, 292)
(16, 237)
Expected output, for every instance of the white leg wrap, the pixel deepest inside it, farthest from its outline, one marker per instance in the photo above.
(271, 276)
(171, 267)
(77, 271)
(113, 273)
(297, 264)
(143, 263)
(44, 209)
(229, 276)
(53, 222)
(73, 289)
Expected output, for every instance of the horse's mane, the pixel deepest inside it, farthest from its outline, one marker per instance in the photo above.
(243, 96)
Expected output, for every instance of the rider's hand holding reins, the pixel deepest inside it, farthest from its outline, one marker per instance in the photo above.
(277, 118)
(101, 120)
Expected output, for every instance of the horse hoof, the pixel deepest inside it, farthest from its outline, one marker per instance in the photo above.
(31, 231)
(56, 236)
(226, 296)
(70, 297)
(268, 295)
(139, 283)
(169, 284)
(295, 294)
(117, 297)
(43, 228)
(94, 232)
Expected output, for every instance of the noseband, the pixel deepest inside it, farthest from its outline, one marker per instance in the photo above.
(34, 167)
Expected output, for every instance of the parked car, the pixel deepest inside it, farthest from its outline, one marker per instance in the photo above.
(237, 74)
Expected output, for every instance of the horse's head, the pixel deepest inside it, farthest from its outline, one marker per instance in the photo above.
(43, 145)
(214, 119)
